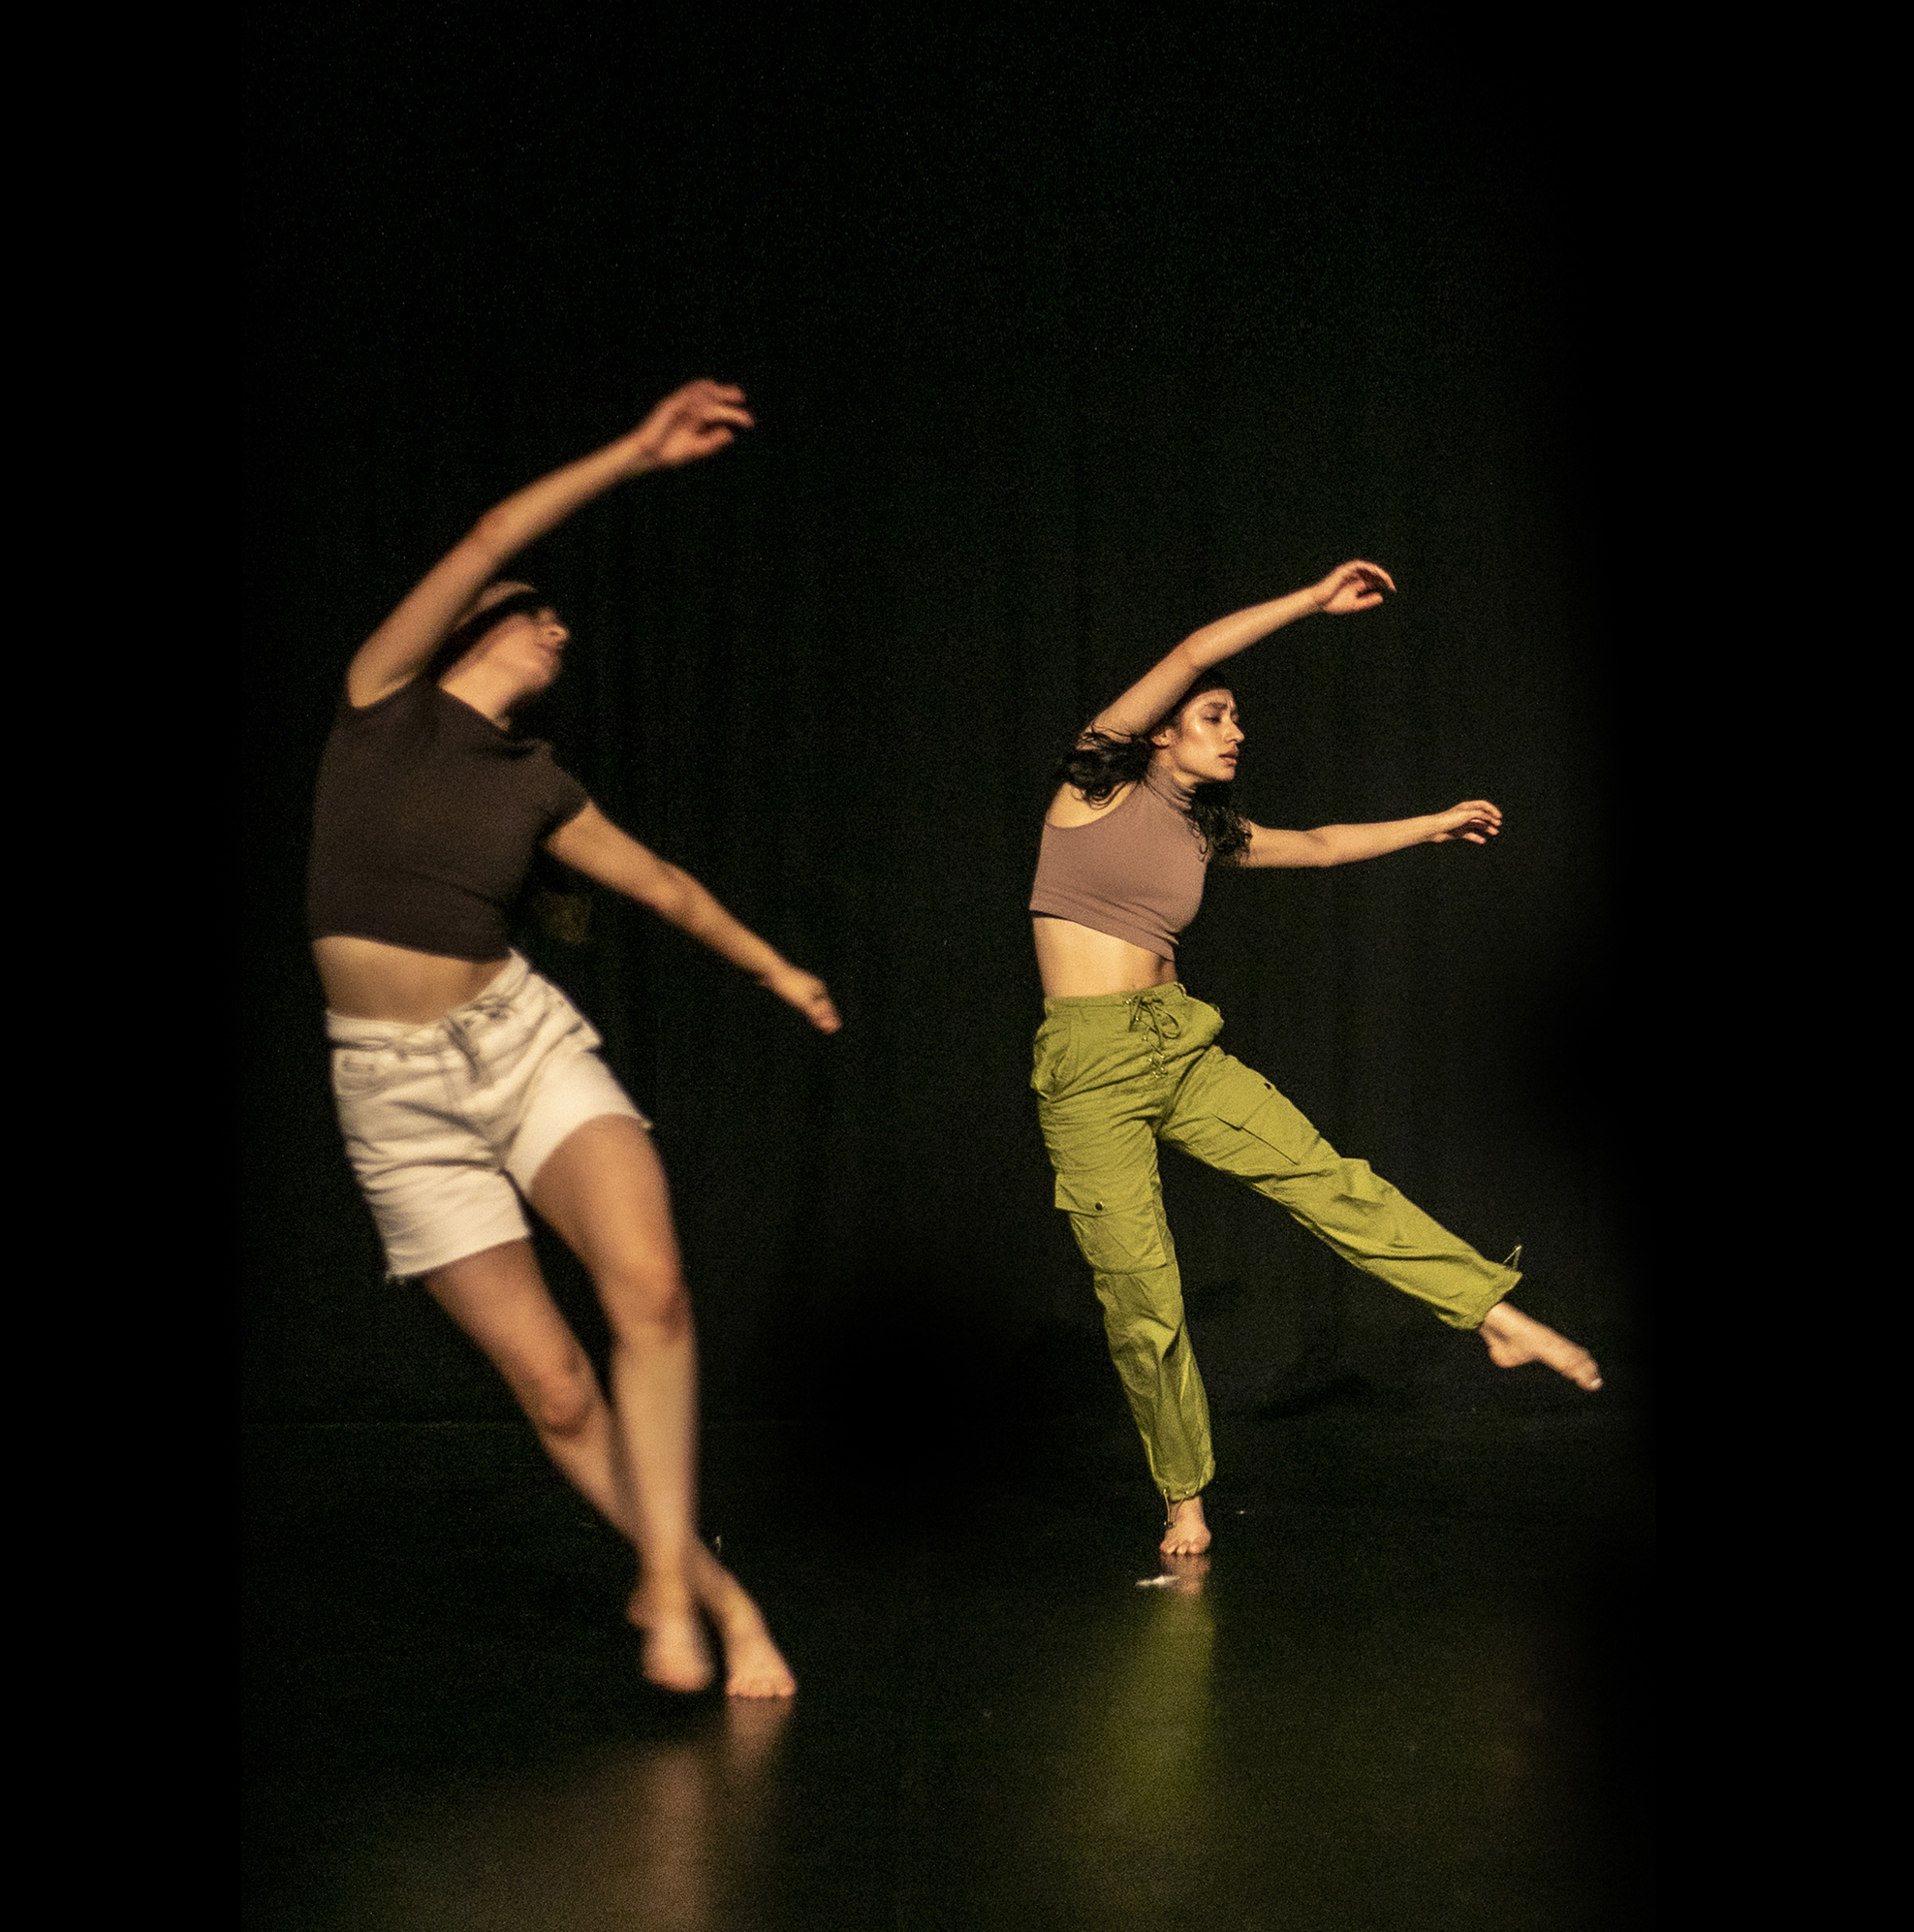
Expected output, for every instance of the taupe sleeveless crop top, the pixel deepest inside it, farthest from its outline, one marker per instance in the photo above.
(1136, 874)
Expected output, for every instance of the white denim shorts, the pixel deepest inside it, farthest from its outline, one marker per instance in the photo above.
(448, 1124)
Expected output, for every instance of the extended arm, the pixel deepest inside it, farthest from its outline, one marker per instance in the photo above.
(1477, 822)
(592, 845)
(693, 421)
(1351, 586)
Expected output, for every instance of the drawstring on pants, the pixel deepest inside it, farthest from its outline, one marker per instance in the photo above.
(1148, 1010)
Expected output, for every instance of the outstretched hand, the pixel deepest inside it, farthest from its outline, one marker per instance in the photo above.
(697, 420)
(1353, 586)
(1478, 822)
(808, 994)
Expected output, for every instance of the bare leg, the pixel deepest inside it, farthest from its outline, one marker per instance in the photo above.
(1187, 1531)
(1514, 1339)
(605, 1190)
(500, 1300)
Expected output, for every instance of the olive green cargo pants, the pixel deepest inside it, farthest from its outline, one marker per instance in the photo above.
(1116, 1074)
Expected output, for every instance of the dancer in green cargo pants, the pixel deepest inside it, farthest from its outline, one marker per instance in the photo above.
(1125, 1057)
(1116, 1072)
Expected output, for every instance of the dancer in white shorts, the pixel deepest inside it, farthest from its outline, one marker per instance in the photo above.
(469, 1086)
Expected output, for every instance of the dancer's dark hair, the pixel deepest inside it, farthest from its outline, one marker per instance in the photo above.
(1101, 762)
(524, 602)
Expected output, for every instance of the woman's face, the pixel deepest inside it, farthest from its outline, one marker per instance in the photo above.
(1200, 746)
(527, 648)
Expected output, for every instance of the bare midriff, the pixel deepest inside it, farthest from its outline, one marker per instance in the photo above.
(1077, 962)
(366, 978)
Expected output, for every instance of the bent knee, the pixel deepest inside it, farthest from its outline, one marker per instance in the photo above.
(562, 1404)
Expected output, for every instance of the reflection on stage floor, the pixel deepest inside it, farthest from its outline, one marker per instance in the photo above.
(1398, 1695)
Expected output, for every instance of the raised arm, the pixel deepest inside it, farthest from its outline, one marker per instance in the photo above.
(592, 845)
(1477, 822)
(1349, 587)
(693, 421)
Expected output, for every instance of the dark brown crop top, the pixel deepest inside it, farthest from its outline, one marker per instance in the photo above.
(426, 823)
(1136, 874)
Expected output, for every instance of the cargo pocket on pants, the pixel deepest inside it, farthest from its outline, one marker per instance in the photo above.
(1278, 1124)
(1118, 1224)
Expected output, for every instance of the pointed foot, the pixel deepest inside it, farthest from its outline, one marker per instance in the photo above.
(1515, 1340)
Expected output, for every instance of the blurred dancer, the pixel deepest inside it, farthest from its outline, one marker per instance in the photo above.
(469, 1087)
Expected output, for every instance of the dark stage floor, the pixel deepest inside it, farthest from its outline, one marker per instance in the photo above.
(1404, 1697)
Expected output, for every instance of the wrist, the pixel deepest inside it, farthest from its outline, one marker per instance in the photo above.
(634, 458)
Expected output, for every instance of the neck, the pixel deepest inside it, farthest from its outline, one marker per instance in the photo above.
(491, 696)
(1168, 779)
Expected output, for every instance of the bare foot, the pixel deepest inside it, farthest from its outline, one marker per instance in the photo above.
(754, 1666)
(1513, 1339)
(677, 1657)
(1187, 1533)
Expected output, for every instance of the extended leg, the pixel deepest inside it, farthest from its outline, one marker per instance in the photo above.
(1230, 1117)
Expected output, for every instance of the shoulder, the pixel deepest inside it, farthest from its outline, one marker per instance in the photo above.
(403, 699)
(390, 727)
(1070, 810)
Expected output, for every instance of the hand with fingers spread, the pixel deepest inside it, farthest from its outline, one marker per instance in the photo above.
(1478, 822)
(696, 421)
(1353, 586)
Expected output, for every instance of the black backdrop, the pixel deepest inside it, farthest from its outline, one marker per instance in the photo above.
(1062, 339)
